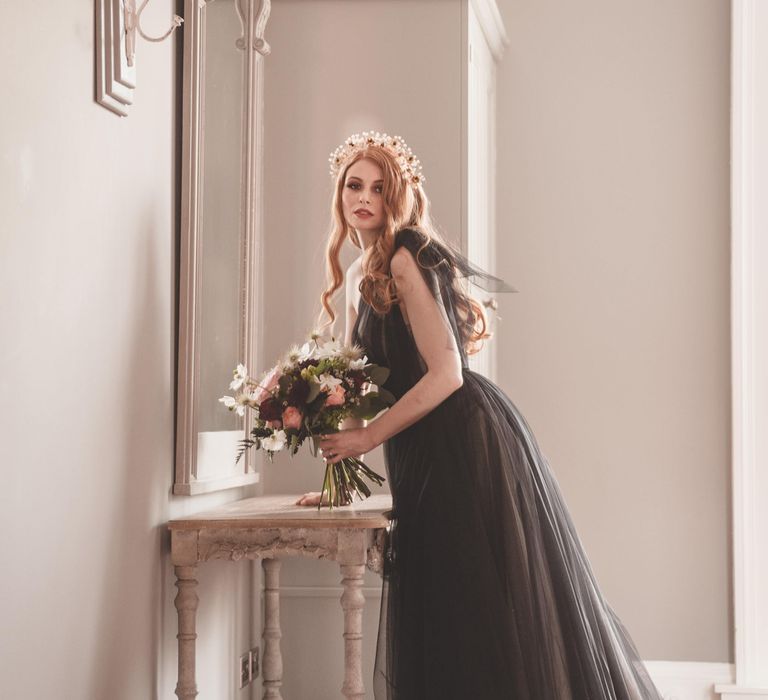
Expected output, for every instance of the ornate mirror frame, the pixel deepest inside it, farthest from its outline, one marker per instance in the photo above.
(253, 15)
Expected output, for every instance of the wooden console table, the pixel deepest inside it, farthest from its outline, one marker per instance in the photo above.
(267, 528)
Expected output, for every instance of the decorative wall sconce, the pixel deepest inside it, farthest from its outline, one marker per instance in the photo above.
(133, 25)
(117, 23)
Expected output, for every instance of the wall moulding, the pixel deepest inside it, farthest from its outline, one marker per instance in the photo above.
(749, 343)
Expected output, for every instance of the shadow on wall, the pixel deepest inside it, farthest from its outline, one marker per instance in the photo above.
(127, 652)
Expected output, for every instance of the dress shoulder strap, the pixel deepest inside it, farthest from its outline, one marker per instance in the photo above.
(441, 262)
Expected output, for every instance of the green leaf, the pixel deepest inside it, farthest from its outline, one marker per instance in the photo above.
(387, 396)
(314, 390)
(379, 374)
(245, 443)
(366, 409)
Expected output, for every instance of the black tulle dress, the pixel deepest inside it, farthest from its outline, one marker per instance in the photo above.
(487, 591)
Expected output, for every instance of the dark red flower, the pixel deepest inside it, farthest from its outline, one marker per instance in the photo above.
(356, 377)
(297, 394)
(270, 409)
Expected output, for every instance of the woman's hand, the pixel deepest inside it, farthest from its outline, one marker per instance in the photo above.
(355, 442)
(313, 498)
(352, 442)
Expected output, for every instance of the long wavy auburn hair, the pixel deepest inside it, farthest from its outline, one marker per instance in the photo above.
(405, 206)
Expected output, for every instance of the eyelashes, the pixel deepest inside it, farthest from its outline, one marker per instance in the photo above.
(355, 185)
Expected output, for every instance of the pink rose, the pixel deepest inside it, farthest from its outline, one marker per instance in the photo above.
(292, 417)
(267, 384)
(335, 397)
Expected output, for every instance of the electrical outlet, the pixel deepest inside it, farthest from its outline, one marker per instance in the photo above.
(254, 662)
(244, 670)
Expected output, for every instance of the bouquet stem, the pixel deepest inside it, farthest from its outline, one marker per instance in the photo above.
(345, 477)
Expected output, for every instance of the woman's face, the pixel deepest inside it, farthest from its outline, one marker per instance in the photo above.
(362, 199)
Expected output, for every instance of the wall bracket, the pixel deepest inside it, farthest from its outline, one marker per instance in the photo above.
(117, 23)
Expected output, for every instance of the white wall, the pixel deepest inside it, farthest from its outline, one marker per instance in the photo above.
(613, 222)
(87, 312)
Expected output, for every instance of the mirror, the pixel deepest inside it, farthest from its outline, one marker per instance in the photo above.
(219, 253)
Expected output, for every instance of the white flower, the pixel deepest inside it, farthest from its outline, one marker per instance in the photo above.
(234, 404)
(359, 364)
(240, 401)
(330, 348)
(292, 357)
(228, 401)
(248, 396)
(274, 442)
(241, 374)
(350, 353)
(306, 351)
(328, 381)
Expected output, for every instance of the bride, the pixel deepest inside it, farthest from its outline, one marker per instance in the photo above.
(487, 590)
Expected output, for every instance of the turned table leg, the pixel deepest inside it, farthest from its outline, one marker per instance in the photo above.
(273, 659)
(186, 604)
(352, 553)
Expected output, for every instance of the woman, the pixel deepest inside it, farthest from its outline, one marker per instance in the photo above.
(487, 590)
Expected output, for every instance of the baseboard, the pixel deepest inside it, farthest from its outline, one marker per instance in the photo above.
(729, 691)
(690, 680)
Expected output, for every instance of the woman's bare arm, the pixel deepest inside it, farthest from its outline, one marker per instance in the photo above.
(436, 344)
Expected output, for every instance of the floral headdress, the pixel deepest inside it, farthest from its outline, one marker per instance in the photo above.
(410, 166)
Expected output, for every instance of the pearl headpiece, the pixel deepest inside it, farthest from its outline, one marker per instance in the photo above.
(410, 166)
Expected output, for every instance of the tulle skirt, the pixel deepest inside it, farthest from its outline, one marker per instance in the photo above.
(487, 591)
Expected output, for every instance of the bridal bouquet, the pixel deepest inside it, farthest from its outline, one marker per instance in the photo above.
(306, 395)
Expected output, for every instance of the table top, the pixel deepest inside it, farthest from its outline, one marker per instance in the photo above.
(280, 511)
